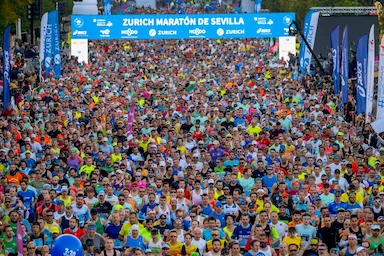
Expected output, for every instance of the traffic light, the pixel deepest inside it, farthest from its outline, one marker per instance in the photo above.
(34, 10)
(61, 7)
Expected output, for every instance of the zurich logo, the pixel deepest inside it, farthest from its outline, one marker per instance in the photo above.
(306, 62)
(57, 59)
(287, 20)
(79, 22)
(48, 61)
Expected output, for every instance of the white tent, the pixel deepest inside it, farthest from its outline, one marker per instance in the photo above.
(85, 7)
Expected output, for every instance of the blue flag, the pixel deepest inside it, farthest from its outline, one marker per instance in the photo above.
(6, 66)
(107, 7)
(361, 73)
(56, 43)
(48, 44)
(309, 31)
(345, 65)
(258, 5)
(335, 48)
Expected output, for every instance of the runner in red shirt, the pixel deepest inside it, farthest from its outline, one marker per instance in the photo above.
(74, 228)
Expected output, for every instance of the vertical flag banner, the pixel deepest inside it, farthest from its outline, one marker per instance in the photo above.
(131, 119)
(361, 73)
(56, 44)
(258, 6)
(370, 74)
(6, 66)
(335, 48)
(107, 7)
(309, 31)
(345, 65)
(43, 29)
(380, 86)
(49, 44)
(19, 239)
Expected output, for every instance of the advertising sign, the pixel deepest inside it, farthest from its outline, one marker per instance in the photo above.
(178, 26)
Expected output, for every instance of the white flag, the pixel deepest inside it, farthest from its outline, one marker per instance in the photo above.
(370, 74)
(43, 29)
(380, 86)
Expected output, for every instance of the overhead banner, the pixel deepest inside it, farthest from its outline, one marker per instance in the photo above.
(361, 73)
(345, 65)
(309, 31)
(380, 85)
(370, 74)
(180, 26)
(335, 49)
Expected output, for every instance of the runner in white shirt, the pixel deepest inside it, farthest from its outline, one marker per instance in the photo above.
(280, 226)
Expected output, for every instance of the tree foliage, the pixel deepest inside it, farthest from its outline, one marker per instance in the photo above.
(11, 10)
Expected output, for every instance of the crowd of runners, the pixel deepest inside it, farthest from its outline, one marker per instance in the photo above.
(231, 152)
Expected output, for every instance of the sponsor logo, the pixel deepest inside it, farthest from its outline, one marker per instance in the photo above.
(152, 32)
(57, 59)
(270, 22)
(359, 74)
(197, 31)
(263, 31)
(334, 58)
(371, 45)
(287, 20)
(306, 63)
(262, 21)
(109, 24)
(79, 22)
(105, 32)
(235, 32)
(79, 33)
(220, 32)
(47, 62)
(129, 32)
(167, 32)
(286, 30)
(7, 67)
(101, 22)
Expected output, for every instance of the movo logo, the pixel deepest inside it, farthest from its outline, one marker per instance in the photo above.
(197, 31)
(129, 32)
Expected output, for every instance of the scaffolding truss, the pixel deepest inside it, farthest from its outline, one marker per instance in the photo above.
(329, 11)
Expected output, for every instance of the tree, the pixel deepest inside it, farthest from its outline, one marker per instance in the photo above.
(9, 11)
